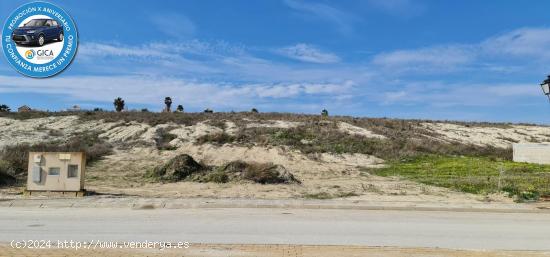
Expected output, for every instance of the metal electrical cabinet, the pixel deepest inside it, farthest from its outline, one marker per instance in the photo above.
(56, 171)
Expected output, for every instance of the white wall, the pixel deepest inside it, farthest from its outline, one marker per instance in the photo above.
(532, 153)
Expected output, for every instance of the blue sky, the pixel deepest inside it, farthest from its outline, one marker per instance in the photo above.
(459, 60)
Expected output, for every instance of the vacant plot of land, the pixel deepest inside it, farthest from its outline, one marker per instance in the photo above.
(326, 154)
(477, 175)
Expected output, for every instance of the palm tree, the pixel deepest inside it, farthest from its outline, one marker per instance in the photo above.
(324, 113)
(119, 104)
(168, 103)
(179, 108)
(4, 108)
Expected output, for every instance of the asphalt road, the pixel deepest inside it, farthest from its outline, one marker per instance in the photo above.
(505, 231)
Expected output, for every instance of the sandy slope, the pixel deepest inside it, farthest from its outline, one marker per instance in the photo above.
(336, 175)
(496, 136)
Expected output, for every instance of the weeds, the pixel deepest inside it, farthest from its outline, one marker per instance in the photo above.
(216, 139)
(163, 139)
(478, 175)
(317, 137)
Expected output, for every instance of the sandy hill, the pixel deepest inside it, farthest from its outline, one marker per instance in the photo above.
(329, 155)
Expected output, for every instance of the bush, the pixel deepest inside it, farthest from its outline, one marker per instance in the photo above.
(263, 173)
(16, 157)
(184, 167)
(214, 176)
(5, 178)
(163, 139)
(177, 169)
(217, 139)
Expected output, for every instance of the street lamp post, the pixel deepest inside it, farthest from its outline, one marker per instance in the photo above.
(545, 85)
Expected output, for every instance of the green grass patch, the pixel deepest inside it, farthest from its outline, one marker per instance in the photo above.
(478, 175)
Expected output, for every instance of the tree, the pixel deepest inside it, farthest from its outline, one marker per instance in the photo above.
(324, 113)
(119, 104)
(179, 108)
(208, 110)
(254, 110)
(4, 108)
(168, 103)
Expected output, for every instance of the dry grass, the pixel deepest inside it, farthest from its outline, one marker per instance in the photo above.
(185, 168)
(15, 158)
(403, 141)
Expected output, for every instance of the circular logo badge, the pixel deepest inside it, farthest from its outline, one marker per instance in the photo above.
(39, 39)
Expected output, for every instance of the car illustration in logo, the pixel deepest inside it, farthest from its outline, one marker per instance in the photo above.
(38, 32)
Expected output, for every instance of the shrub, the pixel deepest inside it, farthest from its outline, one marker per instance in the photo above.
(163, 139)
(4, 108)
(216, 138)
(5, 178)
(177, 169)
(217, 176)
(184, 167)
(16, 157)
(263, 173)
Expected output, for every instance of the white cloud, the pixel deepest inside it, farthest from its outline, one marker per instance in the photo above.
(342, 20)
(174, 25)
(308, 53)
(440, 94)
(525, 42)
(214, 61)
(100, 50)
(439, 57)
(191, 93)
(526, 45)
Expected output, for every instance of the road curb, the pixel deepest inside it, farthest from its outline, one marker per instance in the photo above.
(146, 204)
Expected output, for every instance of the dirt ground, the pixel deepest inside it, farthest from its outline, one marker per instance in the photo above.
(210, 250)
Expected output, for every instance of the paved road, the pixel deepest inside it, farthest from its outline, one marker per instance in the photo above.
(509, 231)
